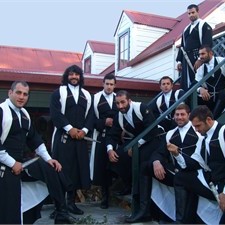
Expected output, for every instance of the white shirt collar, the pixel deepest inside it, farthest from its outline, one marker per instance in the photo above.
(109, 98)
(75, 91)
(183, 130)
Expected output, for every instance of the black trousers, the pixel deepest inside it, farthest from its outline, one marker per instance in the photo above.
(190, 181)
(56, 182)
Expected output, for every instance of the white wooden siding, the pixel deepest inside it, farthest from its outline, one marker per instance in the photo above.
(165, 62)
(153, 68)
(99, 62)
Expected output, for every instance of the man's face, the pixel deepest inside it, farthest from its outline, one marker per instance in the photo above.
(205, 56)
(181, 117)
(166, 85)
(122, 103)
(109, 86)
(74, 78)
(192, 14)
(200, 126)
(19, 96)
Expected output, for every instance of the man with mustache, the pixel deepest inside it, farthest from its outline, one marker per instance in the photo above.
(72, 115)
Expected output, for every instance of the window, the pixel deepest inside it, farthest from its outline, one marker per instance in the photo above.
(124, 53)
(87, 65)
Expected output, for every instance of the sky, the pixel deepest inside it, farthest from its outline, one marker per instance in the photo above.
(68, 24)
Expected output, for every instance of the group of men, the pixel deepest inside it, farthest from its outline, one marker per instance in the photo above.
(175, 154)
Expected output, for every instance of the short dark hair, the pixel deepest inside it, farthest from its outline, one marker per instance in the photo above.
(23, 83)
(109, 76)
(201, 112)
(193, 6)
(122, 93)
(183, 106)
(73, 69)
(207, 47)
(165, 78)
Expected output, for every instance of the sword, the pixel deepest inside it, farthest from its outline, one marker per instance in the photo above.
(187, 59)
(28, 162)
(91, 139)
(214, 191)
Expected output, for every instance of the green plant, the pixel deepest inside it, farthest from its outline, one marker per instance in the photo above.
(90, 220)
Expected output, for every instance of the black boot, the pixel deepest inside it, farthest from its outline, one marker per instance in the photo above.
(181, 202)
(62, 216)
(71, 206)
(186, 206)
(105, 198)
(143, 213)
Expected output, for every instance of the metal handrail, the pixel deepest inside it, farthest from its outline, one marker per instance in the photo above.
(169, 110)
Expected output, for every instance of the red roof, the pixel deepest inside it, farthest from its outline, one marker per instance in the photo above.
(151, 19)
(102, 47)
(167, 40)
(33, 60)
(109, 69)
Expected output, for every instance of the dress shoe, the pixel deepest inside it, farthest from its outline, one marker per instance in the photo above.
(74, 209)
(63, 217)
(139, 217)
(125, 191)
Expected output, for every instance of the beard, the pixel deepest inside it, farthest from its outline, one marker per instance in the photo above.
(76, 84)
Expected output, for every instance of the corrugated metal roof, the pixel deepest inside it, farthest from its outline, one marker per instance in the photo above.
(102, 47)
(167, 40)
(36, 60)
(151, 19)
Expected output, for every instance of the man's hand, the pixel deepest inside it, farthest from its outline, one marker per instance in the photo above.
(73, 133)
(109, 122)
(81, 134)
(222, 201)
(158, 170)
(129, 152)
(17, 168)
(55, 164)
(197, 64)
(204, 94)
(179, 67)
(113, 157)
(173, 149)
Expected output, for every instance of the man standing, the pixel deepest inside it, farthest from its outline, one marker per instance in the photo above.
(163, 166)
(16, 132)
(72, 115)
(130, 121)
(195, 35)
(166, 100)
(105, 109)
(209, 159)
(212, 92)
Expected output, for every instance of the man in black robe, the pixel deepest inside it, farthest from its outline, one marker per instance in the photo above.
(212, 92)
(195, 35)
(105, 109)
(16, 131)
(166, 100)
(209, 160)
(72, 114)
(163, 166)
(130, 121)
